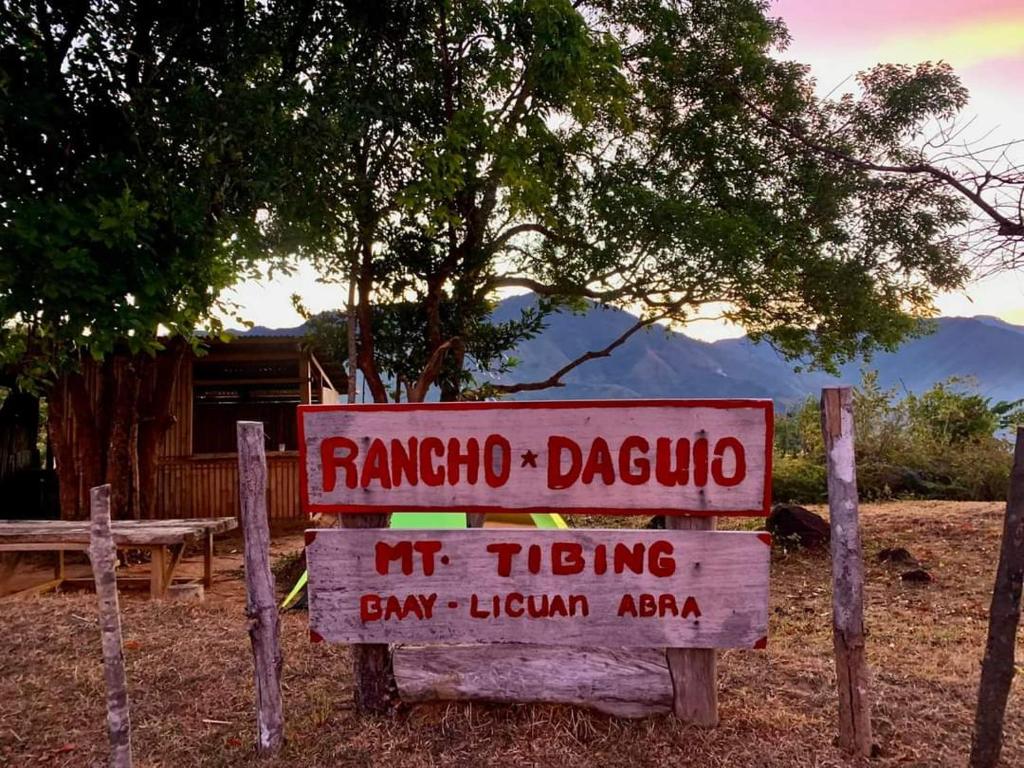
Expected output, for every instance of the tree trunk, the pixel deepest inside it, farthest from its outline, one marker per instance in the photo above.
(155, 418)
(997, 668)
(122, 382)
(60, 445)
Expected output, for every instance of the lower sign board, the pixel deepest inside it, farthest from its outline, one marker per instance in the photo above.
(683, 589)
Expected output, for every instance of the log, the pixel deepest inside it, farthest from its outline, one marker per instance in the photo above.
(847, 572)
(625, 682)
(694, 671)
(997, 667)
(103, 556)
(261, 607)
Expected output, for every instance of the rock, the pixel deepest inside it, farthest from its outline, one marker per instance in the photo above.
(897, 555)
(918, 575)
(190, 592)
(794, 521)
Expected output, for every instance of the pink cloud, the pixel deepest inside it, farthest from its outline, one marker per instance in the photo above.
(996, 72)
(823, 21)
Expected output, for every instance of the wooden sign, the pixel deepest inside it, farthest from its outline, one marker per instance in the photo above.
(705, 457)
(685, 589)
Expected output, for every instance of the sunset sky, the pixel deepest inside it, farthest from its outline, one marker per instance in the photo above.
(982, 39)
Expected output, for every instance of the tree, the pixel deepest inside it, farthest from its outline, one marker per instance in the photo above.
(636, 154)
(133, 160)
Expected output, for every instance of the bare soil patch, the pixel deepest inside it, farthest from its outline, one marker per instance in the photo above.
(189, 673)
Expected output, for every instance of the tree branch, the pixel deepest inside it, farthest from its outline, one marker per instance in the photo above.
(1007, 226)
(555, 379)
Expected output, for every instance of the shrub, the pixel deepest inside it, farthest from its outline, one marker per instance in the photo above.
(940, 444)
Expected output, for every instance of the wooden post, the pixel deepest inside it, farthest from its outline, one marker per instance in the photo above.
(847, 571)
(373, 675)
(103, 556)
(997, 668)
(694, 671)
(261, 607)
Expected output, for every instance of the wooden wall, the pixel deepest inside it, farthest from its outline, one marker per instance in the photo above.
(208, 486)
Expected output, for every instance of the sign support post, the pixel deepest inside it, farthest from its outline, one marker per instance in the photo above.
(694, 671)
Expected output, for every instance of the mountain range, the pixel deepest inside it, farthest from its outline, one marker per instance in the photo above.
(662, 363)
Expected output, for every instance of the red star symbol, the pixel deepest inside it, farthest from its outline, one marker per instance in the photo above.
(529, 459)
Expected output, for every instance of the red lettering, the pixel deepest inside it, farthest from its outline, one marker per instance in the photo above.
(470, 459)
(566, 558)
(474, 608)
(497, 468)
(667, 605)
(634, 471)
(427, 550)
(558, 480)
(557, 606)
(330, 462)
(403, 462)
(514, 597)
(370, 608)
(627, 606)
(384, 553)
(659, 559)
(648, 606)
(624, 557)
(690, 608)
(739, 470)
(600, 559)
(700, 462)
(535, 609)
(375, 466)
(599, 462)
(664, 472)
(578, 605)
(431, 474)
(533, 558)
(505, 552)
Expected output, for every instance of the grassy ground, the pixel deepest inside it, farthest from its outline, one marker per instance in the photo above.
(191, 692)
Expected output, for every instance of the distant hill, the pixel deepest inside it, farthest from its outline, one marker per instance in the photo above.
(661, 363)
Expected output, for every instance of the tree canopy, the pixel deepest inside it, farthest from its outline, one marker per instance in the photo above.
(133, 160)
(649, 155)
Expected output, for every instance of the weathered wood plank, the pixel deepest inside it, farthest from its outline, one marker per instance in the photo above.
(626, 682)
(125, 533)
(261, 607)
(696, 589)
(102, 554)
(847, 572)
(629, 457)
(694, 671)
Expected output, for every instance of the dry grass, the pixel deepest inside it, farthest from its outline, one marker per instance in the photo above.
(191, 685)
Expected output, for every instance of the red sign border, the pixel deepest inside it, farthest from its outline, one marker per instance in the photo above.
(724, 403)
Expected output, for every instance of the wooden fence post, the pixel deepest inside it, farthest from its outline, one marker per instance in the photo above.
(997, 668)
(103, 555)
(261, 607)
(694, 671)
(847, 571)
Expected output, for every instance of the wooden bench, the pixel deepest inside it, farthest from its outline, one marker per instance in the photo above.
(165, 540)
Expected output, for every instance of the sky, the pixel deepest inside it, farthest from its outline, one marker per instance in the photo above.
(982, 39)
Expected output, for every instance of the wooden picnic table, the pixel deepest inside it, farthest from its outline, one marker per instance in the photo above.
(165, 540)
